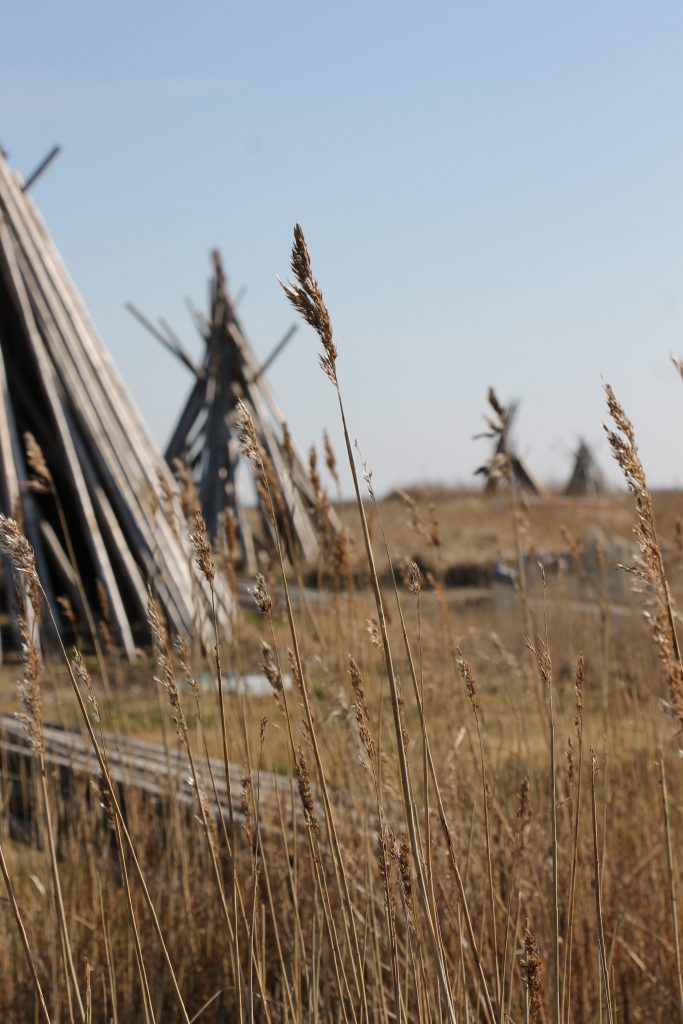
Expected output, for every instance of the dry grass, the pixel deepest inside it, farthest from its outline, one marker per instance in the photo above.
(483, 806)
(476, 528)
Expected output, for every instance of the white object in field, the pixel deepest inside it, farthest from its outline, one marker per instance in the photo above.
(253, 684)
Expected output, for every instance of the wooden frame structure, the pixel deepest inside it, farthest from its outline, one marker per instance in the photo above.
(100, 532)
(504, 451)
(586, 478)
(205, 438)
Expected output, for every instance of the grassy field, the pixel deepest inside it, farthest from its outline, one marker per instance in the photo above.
(480, 818)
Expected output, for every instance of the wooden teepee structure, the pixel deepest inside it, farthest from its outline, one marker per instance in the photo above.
(505, 460)
(586, 479)
(205, 438)
(76, 460)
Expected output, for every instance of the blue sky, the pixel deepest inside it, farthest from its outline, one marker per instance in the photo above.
(492, 194)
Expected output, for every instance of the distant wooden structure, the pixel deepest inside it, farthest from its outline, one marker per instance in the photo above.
(100, 510)
(504, 454)
(586, 479)
(205, 438)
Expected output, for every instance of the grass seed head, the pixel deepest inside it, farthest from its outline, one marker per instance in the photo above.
(405, 875)
(29, 688)
(270, 668)
(67, 610)
(523, 810)
(362, 714)
(42, 481)
(247, 803)
(372, 626)
(306, 793)
(466, 672)
(183, 654)
(414, 579)
(307, 298)
(85, 681)
(532, 970)
(248, 439)
(168, 500)
(262, 598)
(330, 458)
(288, 447)
(649, 566)
(200, 543)
(578, 690)
(187, 489)
(385, 846)
(294, 669)
(15, 545)
(166, 673)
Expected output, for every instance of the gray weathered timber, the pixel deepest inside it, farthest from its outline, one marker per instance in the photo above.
(59, 383)
(205, 436)
(160, 773)
(122, 435)
(75, 479)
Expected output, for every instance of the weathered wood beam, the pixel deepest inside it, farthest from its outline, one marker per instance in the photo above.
(15, 496)
(41, 168)
(215, 470)
(195, 403)
(98, 551)
(111, 529)
(172, 345)
(279, 348)
(60, 560)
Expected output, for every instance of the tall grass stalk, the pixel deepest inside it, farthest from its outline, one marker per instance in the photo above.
(443, 820)
(672, 883)
(574, 855)
(23, 936)
(251, 449)
(542, 657)
(597, 884)
(306, 297)
(16, 546)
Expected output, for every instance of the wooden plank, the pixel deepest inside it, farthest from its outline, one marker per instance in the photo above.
(14, 495)
(181, 352)
(176, 446)
(60, 560)
(173, 345)
(98, 551)
(272, 356)
(212, 484)
(142, 766)
(110, 526)
(41, 168)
